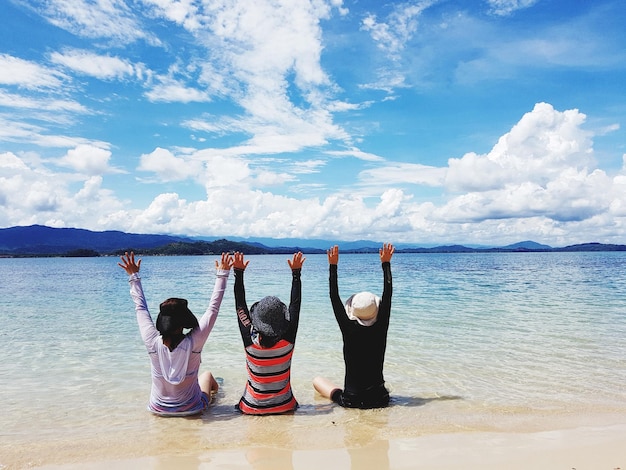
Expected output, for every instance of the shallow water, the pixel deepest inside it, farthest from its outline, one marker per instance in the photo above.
(478, 342)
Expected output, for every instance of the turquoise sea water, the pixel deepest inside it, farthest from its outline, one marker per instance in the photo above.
(507, 342)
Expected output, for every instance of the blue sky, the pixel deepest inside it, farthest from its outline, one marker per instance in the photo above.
(474, 122)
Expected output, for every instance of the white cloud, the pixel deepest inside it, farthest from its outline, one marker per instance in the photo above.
(307, 166)
(403, 173)
(211, 169)
(266, 56)
(29, 75)
(390, 203)
(618, 203)
(30, 134)
(538, 181)
(506, 7)
(87, 159)
(11, 100)
(10, 161)
(356, 153)
(271, 178)
(103, 67)
(164, 211)
(538, 149)
(172, 91)
(181, 12)
(223, 171)
(211, 124)
(169, 167)
(398, 28)
(539, 169)
(33, 194)
(108, 19)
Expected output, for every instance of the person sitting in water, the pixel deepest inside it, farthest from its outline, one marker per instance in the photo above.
(177, 390)
(268, 331)
(363, 321)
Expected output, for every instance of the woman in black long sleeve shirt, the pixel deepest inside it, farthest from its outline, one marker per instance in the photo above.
(364, 322)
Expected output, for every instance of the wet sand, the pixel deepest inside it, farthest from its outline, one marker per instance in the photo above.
(580, 449)
(438, 433)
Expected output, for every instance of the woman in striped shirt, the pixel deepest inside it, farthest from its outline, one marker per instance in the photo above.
(268, 331)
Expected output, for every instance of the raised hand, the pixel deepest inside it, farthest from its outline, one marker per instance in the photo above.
(297, 261)
(333, 255)
(128, 263)
(386, 252)
(239, 262)
(226, 262)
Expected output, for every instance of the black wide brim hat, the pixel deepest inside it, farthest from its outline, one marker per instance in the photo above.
(173, 315)
(270, 317)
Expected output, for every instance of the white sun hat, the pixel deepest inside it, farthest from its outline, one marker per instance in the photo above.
(363, 307)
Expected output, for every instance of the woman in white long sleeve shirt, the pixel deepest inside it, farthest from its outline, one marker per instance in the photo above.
(177, 389)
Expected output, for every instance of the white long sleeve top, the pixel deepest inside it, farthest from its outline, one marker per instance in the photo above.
(175, 389)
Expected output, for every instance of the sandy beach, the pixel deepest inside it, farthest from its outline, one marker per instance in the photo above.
(428, 436)
(579, 449)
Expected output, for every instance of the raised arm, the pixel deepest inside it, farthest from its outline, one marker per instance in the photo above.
(386, 253)
(335, 300)
(296, 295)
(206, 323)
(144, 320)
(243, 315)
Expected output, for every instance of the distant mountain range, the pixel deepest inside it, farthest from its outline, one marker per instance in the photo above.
(39, 240)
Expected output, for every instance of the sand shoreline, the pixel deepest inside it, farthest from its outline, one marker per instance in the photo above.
(441, 433)
(582, 448)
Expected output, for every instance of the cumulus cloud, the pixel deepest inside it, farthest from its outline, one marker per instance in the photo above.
(555, 188)
(31, 193)
(542, 145)
(169, 167)
(9, 160)
(87, 159)
(538, 180)
(211, 169)
(542, 167)
(223, 171)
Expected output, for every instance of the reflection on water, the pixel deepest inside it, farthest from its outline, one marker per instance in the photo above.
(262, 458)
